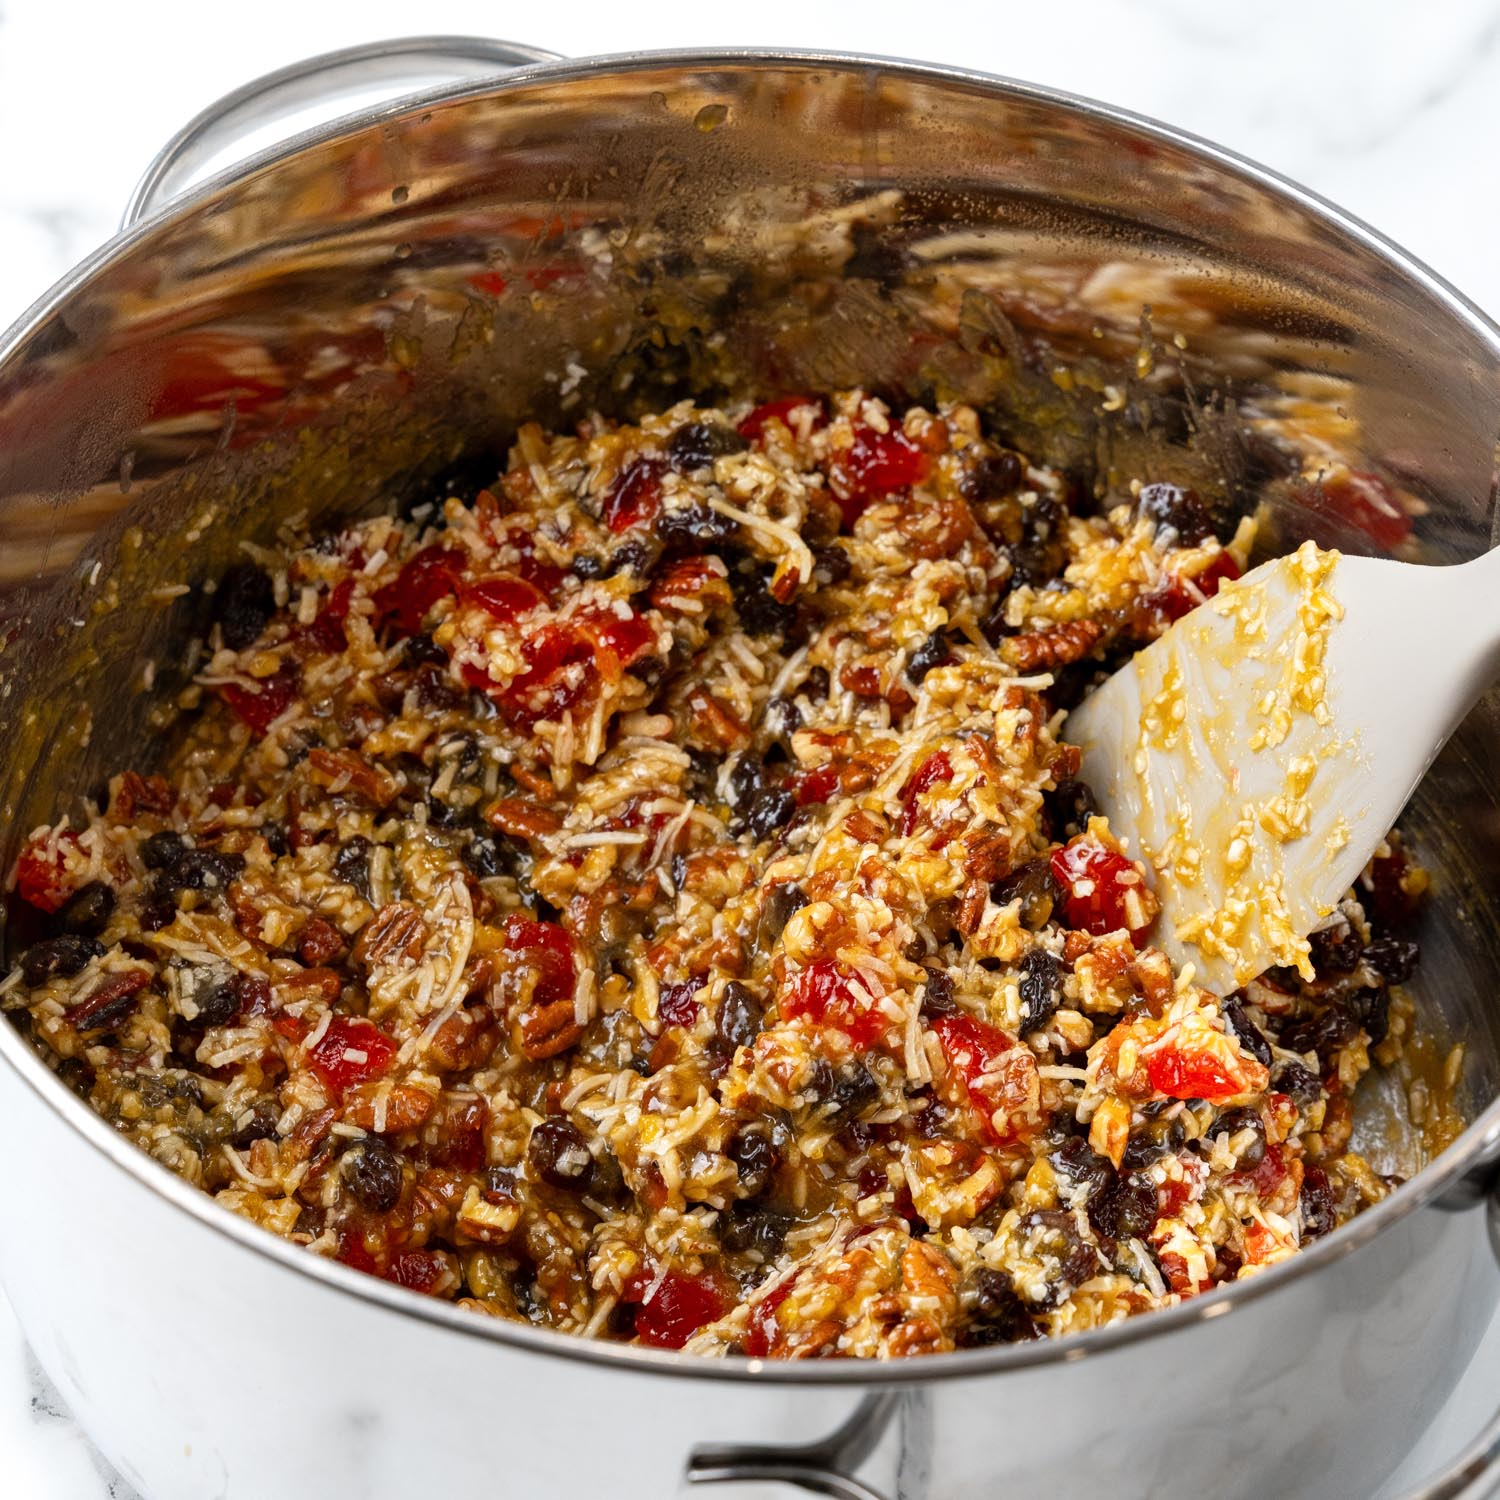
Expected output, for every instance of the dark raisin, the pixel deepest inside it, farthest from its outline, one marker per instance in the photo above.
(1391, 900)
(1372, 1008)
(1233, 1121)
(815, 685)
(586, 566)
(218, 1005)
(58, 958)
(831, 565)
(77, 1075)
(937, 999)
(206, 870)
(162, 850)
(772, 809)
(1077, 1162)
(739, 1016)
(1249, 1035)
(781, 903)
(996, 1314)
(782, 718)
(352, 864)
(695, 445)
(244, 602)
(436, 692)
(746, 781)
(157, 913)
(1326, 1032)
(1319, 1212)
(1034, 887)
(754, 1229)
(752, 1149)
(486, 856)
(1069, 806)
(636, 557)
(558, 1154)
(1040, 987)
(851, 1090)
(933, 652)
(500, 1185)
(695, 528)
(257, 1124)
(421, 650)
(1125, 1210)
(760, 613)
(1300, 1084)
(1393, 958)
(1172, 509)
(990, 474)
(1335, 949)
(276, 840)
(88, 910)
(373, 1172)
(442, 814)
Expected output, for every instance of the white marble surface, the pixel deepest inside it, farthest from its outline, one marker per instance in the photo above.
(1390, 109)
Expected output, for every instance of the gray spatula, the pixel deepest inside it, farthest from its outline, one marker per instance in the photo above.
(1255, 755)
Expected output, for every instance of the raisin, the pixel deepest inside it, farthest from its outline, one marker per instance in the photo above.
(373, 1172)
(1300, 1084)
(276, 839)
(938, 999)
(781, 904)
(1090, 1173)
(695, 445)
(782, 718)
(636, 557)
(752, 1149)
(990, 475)
(1319, 1212)
(933, 652)
(695, 528)
(754, 1229)
(1034, 887)
(1335, 949)
(352, 864)
(157, 913)
(739, 1016)
(1372, 1008)
(162, 850)
(1393, 958)
(1232, 1122)
(1325, 1032)
(1177, 514)
(206, 870)
(422, 651)
(486, 856)
(1249, 1035)
(1069, 806)
(558, 1154)
(1040, 987)
(59, 958)
(997, 1315)
(771, 810)
(587, 566)
(88, 910)
(1125, 1210)
(746, 780)
(500, 1185)
(760, 613)
(259, 1124)
(219, 1005)
(831, 565)
(244, 602)
(850, 1089)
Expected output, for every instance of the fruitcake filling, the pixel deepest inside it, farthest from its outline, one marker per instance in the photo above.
(653, 898)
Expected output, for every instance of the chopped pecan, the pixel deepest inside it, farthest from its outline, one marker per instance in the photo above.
(320, 941)
(406, 1106)
(108, 1004)
(783, 587)
(306, 1136)
(692, 585)
(713, 724)
(1056, 646)
(521, 819)
(320, 984)
(347, 771)
(864, 681)
(971, 908)
(395, 932)
(549, 1029)
(132, 793)
(464, 1041)
(988, 857)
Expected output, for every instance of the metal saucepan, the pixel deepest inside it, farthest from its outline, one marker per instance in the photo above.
(382, 299)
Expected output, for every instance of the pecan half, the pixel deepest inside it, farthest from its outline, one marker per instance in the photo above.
(1056, 646)
(345, 771)
(395, 932)
(549, 1029)
(521, 819)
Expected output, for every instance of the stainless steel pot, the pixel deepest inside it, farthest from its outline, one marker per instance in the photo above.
(358, 311)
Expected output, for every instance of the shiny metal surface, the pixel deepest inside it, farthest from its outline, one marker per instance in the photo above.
(349, 319)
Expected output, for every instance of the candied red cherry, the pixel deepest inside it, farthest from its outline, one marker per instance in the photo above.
(813, 786)
(425, 579)
(754, 425)
(670, 1311)
(260, 709)
(677, 1004)
(998, 1075)
(326, 633)
(549, 950)
(1095, 882)
(504, 598)
(877, 464)
(351, 1051)
(635, 496)
(829, 995)
(1175, 599)
(933, 771)
(619, 640)
(1364, 501)
(41, 873)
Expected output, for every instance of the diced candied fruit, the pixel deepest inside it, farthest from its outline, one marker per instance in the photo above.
(998, 1075)
(41, 872)
(669, 1311)
(876, 465)
(350, 1051)
(754, 425)
(549, 950)
(635, 496)
(430, 576)
(933, 771)
(1177, 598)
(1095, 881)
(262, 707)
(677, 1004)
(828, 994)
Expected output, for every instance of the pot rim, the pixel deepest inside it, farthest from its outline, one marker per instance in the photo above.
(1473, 1151)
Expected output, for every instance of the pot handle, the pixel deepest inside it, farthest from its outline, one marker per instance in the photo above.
(323, 84)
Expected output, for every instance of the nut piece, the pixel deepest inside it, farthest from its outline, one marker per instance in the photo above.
(549, 1029)
(395, 932)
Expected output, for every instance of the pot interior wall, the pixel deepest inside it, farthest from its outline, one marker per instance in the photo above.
(368, 319)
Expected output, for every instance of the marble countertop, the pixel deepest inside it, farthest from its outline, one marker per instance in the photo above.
(1390, 116)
